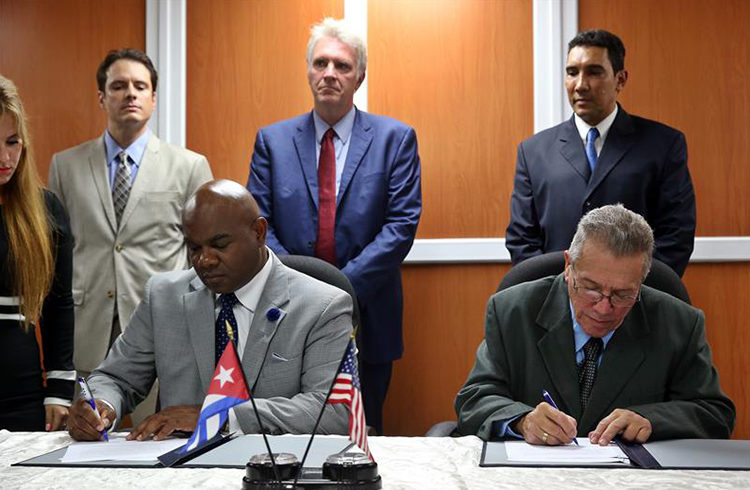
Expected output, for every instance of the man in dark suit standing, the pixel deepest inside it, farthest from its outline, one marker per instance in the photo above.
(601, 155)
(617, 357)
(344, 185)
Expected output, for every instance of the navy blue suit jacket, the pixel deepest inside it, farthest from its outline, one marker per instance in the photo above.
(378, 208)
(643, 165)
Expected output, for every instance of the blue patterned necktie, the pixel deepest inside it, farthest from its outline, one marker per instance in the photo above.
(590, 148)
(587, 369)
(226, 324)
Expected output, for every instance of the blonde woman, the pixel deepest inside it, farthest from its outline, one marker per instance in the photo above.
(35, 284)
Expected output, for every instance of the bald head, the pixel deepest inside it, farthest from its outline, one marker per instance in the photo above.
(225, 234)
(224, 193)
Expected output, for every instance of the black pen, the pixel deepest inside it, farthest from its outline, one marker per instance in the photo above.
(548, 399)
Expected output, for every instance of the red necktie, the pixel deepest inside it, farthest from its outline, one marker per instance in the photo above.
(325, 247)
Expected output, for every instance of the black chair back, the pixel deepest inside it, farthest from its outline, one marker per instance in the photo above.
(661, 276)
(323, 271)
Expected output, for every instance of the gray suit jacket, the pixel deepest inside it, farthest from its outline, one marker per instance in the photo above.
(289, 363)
(657, 364)
(111, 265)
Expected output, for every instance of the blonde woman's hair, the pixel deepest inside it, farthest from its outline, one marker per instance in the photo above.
(30, 258)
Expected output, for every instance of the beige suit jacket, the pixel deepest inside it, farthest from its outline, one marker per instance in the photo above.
(111, 265)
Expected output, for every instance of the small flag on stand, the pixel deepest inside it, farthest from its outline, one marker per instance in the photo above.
(347, 390)
(226, 390)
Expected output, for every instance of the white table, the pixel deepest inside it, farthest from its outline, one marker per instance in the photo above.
(404, 463)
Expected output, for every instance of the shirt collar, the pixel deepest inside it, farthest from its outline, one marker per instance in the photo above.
(135, 151)
(603, 126)
(343, 127)
(582, 337)
(249, 294)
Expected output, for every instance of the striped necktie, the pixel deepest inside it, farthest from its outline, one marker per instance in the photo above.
(121, 190)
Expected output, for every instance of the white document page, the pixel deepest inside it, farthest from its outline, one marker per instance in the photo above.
(585, 452)
(119, 449)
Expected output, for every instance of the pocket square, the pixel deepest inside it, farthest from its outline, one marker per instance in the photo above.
(278, 357)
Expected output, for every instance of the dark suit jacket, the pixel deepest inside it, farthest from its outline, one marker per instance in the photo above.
(378, 208)
(656, 364)
(643, 165)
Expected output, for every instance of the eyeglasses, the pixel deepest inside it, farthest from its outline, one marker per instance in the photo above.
(616, 299)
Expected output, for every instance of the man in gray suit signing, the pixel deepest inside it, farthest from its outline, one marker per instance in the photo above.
(292, 331)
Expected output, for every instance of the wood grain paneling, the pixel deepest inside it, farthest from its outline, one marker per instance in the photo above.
(461, 74)
(721, 291)
(51, 50)
(689, 63)
(443, 325)
(245, 69)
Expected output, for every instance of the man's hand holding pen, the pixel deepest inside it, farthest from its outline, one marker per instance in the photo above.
(85, 425)
(547, 425)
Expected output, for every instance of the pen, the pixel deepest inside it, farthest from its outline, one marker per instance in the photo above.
(548, 399)
(88, 397)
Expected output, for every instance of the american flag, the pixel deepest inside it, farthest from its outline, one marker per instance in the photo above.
(226, 390)
(346, 389)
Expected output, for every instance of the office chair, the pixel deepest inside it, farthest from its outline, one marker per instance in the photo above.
(661, 277)
(323, 271)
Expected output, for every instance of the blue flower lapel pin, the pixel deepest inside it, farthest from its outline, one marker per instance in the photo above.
(273, 314)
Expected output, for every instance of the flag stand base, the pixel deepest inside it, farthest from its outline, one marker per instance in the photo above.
(339, 472)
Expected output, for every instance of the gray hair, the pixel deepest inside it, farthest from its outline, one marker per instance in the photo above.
(621, 231)
(338, 29)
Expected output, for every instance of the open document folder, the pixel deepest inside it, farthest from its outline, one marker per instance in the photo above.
(119, 449)
(583, 453)
(675, 454)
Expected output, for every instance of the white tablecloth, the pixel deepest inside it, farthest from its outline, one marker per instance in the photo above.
(404, 463)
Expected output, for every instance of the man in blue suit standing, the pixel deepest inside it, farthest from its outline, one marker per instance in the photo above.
(602, 155)
(344, 185)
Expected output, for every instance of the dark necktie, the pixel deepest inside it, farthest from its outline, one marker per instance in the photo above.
(121, 189)
(325, 247)
(590, 148)
(226, 324)
(587, 370)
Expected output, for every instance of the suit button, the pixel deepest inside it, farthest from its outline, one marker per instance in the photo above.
(110, 294)
(309, 244)
(118, 247)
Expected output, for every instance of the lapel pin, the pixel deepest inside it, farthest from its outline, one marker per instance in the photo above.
(273, 314)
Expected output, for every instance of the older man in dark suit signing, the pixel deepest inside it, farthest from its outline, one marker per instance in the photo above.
(616, 356)
(602, 155)
(291, 331)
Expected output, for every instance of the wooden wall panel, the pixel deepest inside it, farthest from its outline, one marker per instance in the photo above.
(51, 49)
(689, 62)
(444, 323)
(461, 74)
(246, 68)
(721, 291)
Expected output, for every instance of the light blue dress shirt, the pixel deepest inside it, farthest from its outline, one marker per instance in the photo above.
(135, 154)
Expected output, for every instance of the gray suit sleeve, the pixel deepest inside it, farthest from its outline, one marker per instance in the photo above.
(126, 375)
(324, 347)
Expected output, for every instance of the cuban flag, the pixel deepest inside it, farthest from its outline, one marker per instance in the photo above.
(226, 390)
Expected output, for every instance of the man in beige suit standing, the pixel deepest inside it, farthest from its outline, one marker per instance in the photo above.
(124, 192)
